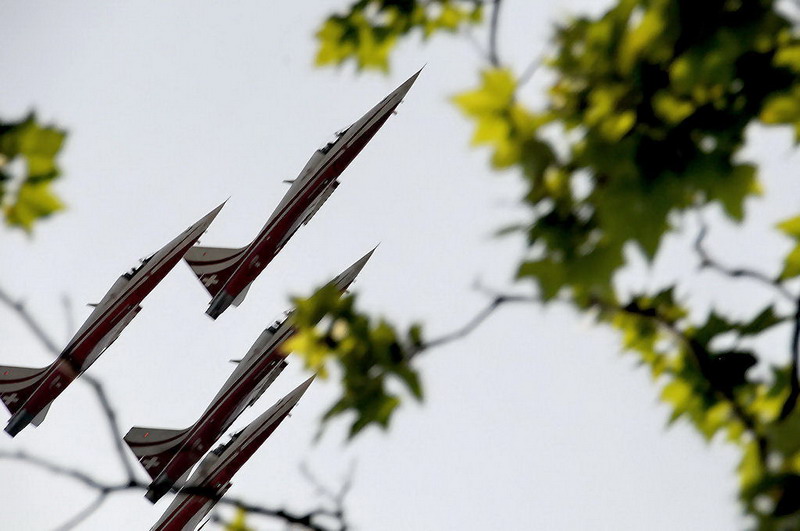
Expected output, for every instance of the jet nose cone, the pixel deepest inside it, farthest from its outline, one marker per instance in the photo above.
(301, 389)
(349, 275)
(206, 220)
(403, 89)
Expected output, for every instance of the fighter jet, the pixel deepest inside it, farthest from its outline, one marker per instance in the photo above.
(228, 273)
(28, 393)
(211, 480)
(167, 454)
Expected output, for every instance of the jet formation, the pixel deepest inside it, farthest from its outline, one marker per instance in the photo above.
(228, 273)
(212, 478)
(169, 455)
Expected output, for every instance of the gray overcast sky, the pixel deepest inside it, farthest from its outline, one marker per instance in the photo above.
(534, 422)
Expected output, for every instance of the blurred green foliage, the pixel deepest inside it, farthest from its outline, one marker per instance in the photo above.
(239, 522)
(369, 29)
(27, 198)
(366, 353)
(644, 121)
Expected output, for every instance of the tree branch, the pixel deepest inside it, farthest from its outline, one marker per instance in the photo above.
(794, 392)
(707, 262)
(105, 489)
(494, 59)
(85, 513)
(472, 324)
(33, 325)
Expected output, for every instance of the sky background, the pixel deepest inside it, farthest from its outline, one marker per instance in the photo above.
(533, 422)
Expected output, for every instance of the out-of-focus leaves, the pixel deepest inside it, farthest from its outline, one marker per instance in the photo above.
(366, 353)
(368, 30)
(791, 264)
(648, 107)
(239, 522)
(29, 197)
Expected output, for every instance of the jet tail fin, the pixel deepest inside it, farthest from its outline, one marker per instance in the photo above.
(213, 265)
(17, 384)
(154, 447)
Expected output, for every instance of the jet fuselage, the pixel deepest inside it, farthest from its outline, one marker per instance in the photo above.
(303, 199)
(117, 308)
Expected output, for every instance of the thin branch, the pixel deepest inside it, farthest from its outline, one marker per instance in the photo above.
(55, 468)
(111, 421)
(494, 59)
(33, 325)
(794, 393)
(105, 489)
(336, 497)
(102, 398)
(468, 33)
(85, 513)
(472, 324)
(530, 70)
(707, 262)
(66, 304)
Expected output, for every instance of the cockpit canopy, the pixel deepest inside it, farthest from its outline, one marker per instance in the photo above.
(222, 447)
(279, 321)
(336, 136)
(130, 274)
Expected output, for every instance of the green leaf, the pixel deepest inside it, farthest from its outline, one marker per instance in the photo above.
(791, 227)
(791, 264)
(33, 202)
(37, 146)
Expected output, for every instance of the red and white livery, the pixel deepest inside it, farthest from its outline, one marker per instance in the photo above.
(169, 454)
(28, 393)
(228, 273)
(212, 478)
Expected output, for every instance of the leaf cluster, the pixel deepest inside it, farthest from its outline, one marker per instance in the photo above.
(368, 353)
(367, 32)
(29, 197)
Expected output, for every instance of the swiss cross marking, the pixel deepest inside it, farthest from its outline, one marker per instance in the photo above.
(150, 463)
(210, 281)
(11, 399)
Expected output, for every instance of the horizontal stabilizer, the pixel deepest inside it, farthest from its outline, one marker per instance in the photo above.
(17, 384)
(213, 265)
(154, 447)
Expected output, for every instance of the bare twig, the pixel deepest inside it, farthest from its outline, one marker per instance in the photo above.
(472, 324)
(105, 489)
(336, 497)
(85, 513)
(530, 70)
(33, 326)
(494, 59)
(111, 420)
(794, 392)
(66, 303)
(707, 262)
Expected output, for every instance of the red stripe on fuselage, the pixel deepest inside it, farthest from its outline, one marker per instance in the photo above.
(66, 367)
(217, 417)
(274, 233)
(222, 473)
